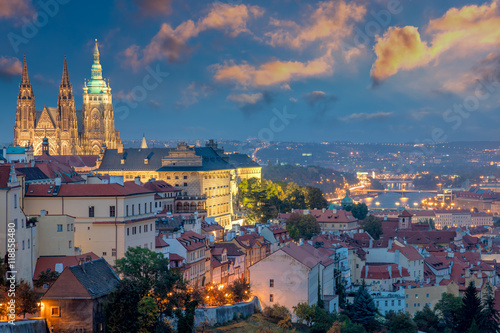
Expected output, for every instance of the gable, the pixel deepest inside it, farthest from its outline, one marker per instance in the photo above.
(67, 285)
(45, 120)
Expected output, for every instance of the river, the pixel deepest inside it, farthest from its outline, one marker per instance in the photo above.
(395, 200)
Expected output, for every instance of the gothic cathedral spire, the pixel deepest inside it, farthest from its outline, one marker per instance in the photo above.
(25, 111)
(67, 124)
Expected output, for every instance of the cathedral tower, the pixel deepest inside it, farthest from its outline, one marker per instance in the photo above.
(25, 112)
(67, 122)
(98, 117)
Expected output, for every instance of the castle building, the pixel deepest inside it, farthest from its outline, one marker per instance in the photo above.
(69, 131)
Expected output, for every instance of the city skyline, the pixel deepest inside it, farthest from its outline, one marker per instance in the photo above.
(232, 70)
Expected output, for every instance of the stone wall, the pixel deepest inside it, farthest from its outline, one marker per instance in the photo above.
(222, 314)
(25, 326)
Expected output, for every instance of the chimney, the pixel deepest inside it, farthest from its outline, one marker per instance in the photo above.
(301, 241)
(58, 181)
(88, 258)
(137, 180)
(323, 210)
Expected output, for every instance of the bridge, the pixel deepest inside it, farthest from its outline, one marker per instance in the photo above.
(363, 190)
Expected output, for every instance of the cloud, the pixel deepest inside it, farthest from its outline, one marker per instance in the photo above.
(330, 22)
(319, 101)
(252, 102)
(171, 43)
(10, 68)
(154, 104)
(273, 72)
(246, 98)
(458, 33)
(154, 7)
(15, 8)
(366, 116)
(483, 75)
(192, 94)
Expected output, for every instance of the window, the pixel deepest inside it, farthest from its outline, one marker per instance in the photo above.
(150, 206)
(128, 231)
(104, 254)
(23, 245)
(140, 227)
(271, 283)
(146, 228)
(28, 243)
(71, 226)
(69, 244)
(399, 302)
(139, 206)
(185, 177)
(59, 228)
(134, 230)
(15, 224)
(392, 302)
(15, 200)
(133, 210)
(67, 227)
(185, 184)
(112, 211)
(91, 211)
(54, 311)
(416, 295)
(386, 303)
(427, 295)
(113, 252)
(407, 295)
(271, 298)
(406, 304)
(126, 209)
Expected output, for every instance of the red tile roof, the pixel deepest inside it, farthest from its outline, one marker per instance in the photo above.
(383, 271)
(408, 251)
(45, 263)
(85, 190)
(160, 243)
(191, 241)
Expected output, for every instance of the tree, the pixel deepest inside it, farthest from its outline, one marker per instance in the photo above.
(401, 323)
(148, 314)
(26, 299)
(276, 312)
(359, 211)
(426, 320)
(363, 307)
(373, 226)
(121, 308)
(447, 308)
(143, 266)
(304, 313)
(185, 318)
(315, 198)
(490, 317)
(470, 310)
(285, 323)
(46, 277)
(240, 290)
(302, 226)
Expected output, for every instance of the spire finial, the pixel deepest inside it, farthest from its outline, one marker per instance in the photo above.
(65, 76)
(25, 78)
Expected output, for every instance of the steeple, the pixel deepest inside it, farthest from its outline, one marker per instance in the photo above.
(144, 144)
(96, 67)
(65, 75)
(25, 78)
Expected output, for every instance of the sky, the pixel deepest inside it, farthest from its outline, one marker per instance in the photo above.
(286, 70)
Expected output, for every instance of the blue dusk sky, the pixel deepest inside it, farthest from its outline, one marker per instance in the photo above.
(363, 71)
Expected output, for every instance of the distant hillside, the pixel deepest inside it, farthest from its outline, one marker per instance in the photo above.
(327, 180)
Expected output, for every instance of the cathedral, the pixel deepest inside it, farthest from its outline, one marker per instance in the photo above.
(69, 131)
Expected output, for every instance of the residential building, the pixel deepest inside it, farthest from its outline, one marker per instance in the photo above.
(108, 218)
(191, 246)
(295, 274)
(76, 300)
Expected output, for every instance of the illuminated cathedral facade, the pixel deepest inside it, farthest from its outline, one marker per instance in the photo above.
(69, 131)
